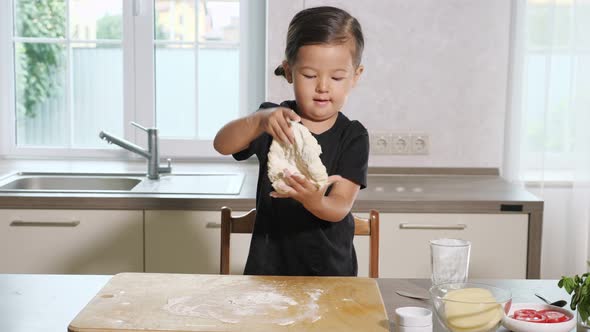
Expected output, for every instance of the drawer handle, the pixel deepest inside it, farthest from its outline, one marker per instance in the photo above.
(426, 226)
(23, 223)
(213, 225)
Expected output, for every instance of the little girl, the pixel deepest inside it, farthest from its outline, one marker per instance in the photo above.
(308, 231)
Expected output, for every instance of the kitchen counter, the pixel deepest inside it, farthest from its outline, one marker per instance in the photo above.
(50, 302)
(389, 190)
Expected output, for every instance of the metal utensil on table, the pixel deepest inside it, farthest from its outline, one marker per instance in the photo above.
(560, 303)
(412, 295)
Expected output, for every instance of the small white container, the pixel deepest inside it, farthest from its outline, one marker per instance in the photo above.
(413, 319)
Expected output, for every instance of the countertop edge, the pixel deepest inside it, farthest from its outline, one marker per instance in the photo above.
(208, 204)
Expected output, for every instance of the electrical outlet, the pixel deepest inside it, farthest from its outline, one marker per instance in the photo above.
(383, 143)
(380, 143)
(419, 144)
(400, 143)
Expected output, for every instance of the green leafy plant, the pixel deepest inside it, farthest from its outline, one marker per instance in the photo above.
(39, 76)
(39, 61)
(580, 287)
(109, 27)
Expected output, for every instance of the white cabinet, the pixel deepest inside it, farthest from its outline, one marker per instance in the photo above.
(498, 243)
(361, 246)
(71, 241)
(109, 242)
(189, 242)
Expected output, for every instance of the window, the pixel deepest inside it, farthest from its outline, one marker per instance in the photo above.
(76, 67)
(556, 53)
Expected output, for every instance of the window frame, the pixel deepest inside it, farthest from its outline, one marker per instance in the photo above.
(138, 51)
(5, 87)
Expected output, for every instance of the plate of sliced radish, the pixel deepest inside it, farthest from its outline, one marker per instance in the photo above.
(538, 317)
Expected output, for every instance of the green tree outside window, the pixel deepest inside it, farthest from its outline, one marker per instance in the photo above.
(39, 61)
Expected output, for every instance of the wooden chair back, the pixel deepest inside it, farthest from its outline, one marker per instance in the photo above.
(245, 224)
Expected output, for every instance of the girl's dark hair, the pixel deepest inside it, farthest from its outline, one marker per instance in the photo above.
(322, 25)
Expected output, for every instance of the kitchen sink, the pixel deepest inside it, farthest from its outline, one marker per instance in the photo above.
(128, 183)
(67, 182)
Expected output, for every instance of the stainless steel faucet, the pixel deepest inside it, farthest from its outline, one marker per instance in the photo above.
(151, 154)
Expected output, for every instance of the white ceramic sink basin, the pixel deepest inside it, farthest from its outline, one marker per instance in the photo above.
(132, 183)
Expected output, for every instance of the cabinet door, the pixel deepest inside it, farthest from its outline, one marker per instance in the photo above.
(71, 241)
(361, 246)
(189, 242)
(498, 243)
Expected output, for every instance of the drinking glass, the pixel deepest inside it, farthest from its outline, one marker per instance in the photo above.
(449, 260)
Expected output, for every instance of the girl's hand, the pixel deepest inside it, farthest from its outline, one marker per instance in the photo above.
(304, 191)
(275, 122)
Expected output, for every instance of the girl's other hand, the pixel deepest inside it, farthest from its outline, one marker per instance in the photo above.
(333, 207)
(302, 190)
(276, 122)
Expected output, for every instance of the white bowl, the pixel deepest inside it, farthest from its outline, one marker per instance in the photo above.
(523, 326)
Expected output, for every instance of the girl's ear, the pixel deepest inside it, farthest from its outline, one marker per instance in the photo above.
(288, 73)
(357, 74)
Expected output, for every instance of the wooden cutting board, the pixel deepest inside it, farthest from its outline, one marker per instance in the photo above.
(188, 302)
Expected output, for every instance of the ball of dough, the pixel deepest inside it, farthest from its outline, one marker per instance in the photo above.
(472, 310)
(302, 158)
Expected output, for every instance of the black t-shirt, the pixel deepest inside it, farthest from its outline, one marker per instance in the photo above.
(288, 239)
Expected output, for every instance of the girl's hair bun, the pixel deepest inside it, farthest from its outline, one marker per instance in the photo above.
(280, 71)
